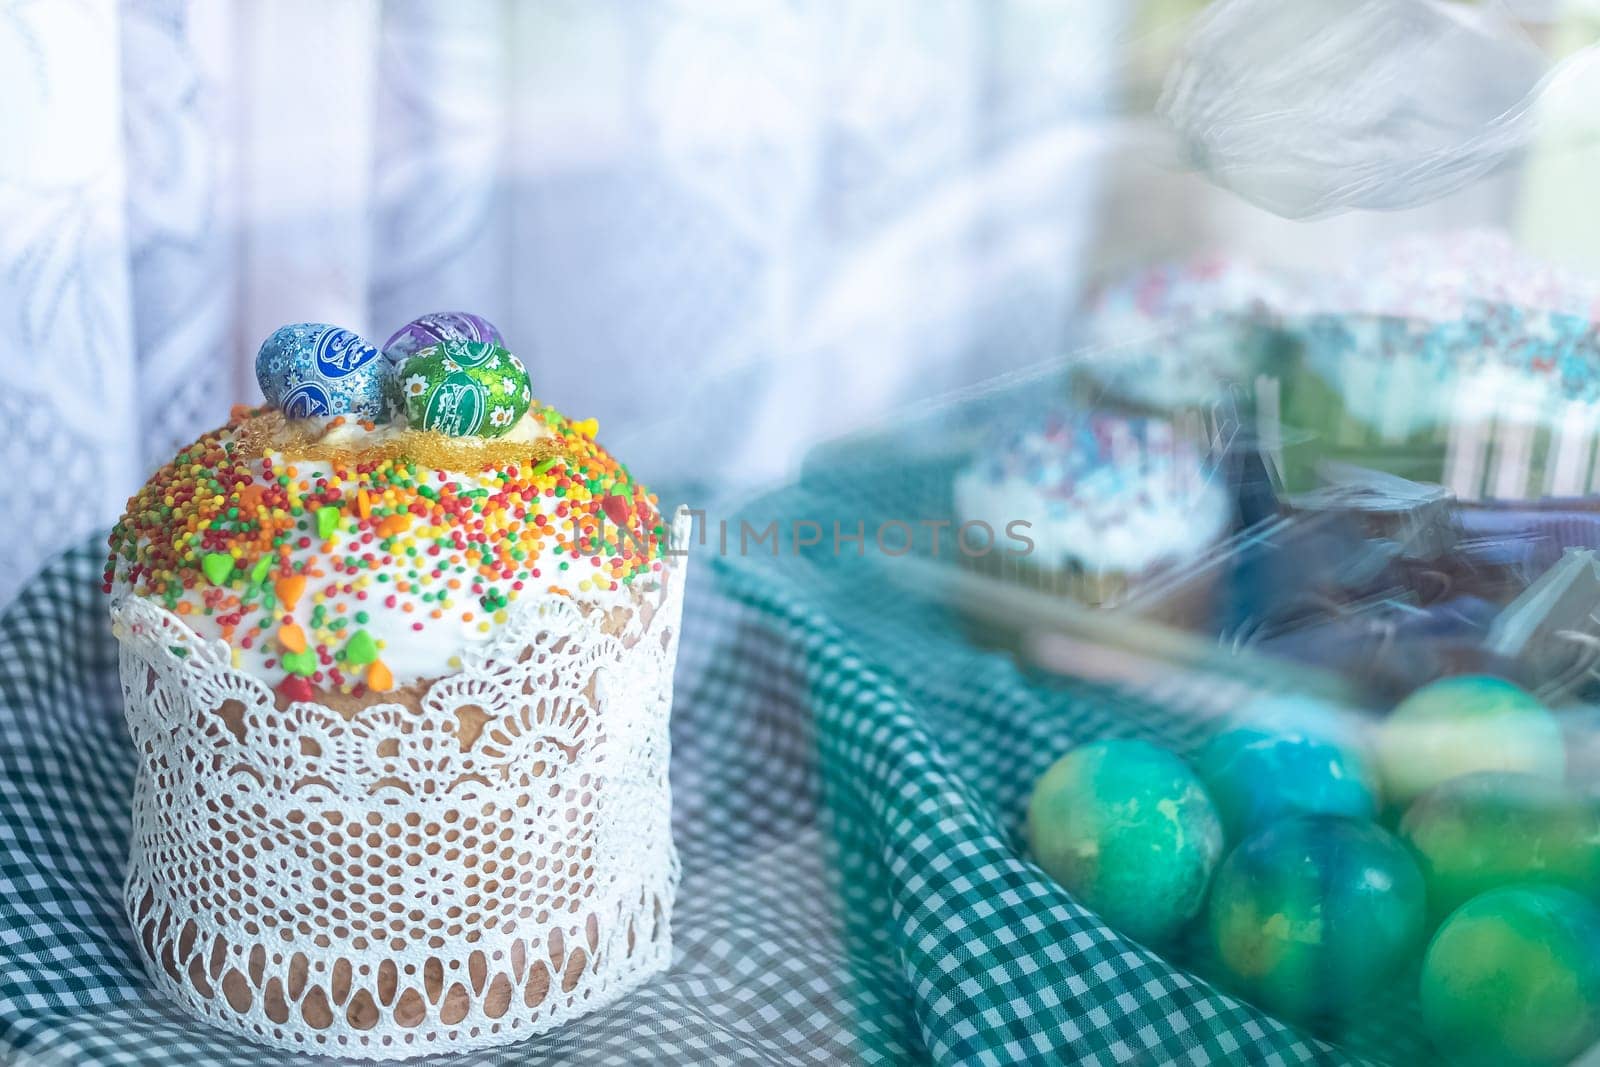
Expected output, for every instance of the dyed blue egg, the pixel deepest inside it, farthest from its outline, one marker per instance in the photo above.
(1259, 774)
(1316, 913)
(1128, 829)
(312, 369)
(425, 331)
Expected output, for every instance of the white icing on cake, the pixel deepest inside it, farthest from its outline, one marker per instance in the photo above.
(425, 563)
(1102, 493)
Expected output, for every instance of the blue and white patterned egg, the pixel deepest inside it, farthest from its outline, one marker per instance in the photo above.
(311, 368)
(425, 331)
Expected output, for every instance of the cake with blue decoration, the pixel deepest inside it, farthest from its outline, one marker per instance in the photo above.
(1501, 404)
(1092, 506)
(1186, 342)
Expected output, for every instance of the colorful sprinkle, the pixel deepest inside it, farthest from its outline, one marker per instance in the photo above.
(394, 524)
(290, 589)
(258, 573)
(379, 679)
(389, 530)
(361, 648)
(327, 521)
(291, 638)
(218, 567)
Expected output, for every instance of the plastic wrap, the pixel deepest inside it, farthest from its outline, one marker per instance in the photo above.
(1406, 580)
(1308, 108)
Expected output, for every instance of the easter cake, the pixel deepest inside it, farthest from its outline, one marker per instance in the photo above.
(1091, 506)
(397, 655)
(1499, 405)
(1194, 343)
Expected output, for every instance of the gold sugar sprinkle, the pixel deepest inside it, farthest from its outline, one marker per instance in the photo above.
(269, 432)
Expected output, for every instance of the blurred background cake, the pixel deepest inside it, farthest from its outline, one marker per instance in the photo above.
(1185, 342)
(1497, 405)
(1088, 506)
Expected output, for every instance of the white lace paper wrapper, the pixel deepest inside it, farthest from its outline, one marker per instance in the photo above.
(477, 862)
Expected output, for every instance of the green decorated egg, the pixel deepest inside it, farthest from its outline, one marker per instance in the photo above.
(1316, 913)
(1485, 830)
(1513, 978)
(463, 389)
(1129, 830)
(1456, 726)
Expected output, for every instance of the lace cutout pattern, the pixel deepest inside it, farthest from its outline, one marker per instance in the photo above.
(474, 862)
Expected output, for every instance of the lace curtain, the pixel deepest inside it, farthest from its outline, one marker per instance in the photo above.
(724, 229)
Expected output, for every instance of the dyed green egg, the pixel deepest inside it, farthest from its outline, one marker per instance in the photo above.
(1259, 774)
(1456, 726)
(1484, 830)
(463, 389)
(1513, 977)
(1129, 830)
(1314, 913)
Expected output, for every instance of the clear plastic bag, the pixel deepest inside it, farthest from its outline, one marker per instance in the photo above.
(1307, 108)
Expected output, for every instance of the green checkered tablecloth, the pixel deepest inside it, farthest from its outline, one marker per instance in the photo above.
(849, 775)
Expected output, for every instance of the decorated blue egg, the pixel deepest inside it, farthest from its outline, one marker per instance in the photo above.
(425, 331)
(1128, 829)
(1259, 773)
(1315, 914)
(311, 369)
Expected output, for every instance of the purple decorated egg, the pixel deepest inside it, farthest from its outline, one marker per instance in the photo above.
(425, 331)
